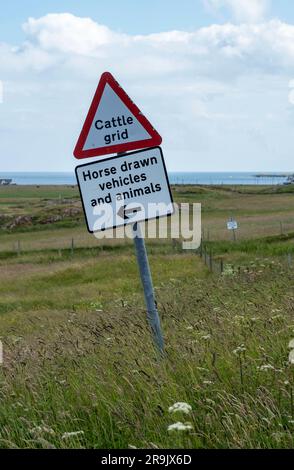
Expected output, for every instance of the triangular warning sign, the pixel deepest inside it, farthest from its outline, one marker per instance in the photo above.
(114, 124)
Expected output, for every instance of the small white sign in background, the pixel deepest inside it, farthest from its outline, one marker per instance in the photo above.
(125, 189)
(232, 225)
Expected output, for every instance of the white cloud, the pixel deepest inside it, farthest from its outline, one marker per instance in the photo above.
(59, 40)
(251, 11)
(70, 34)
(209, 92)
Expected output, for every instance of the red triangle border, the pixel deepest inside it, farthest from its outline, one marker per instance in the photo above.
(155, 140)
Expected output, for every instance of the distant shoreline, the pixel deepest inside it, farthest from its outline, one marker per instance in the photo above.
(176, 178)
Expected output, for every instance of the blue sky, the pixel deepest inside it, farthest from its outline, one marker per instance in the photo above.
(129, 16)
(215, 77)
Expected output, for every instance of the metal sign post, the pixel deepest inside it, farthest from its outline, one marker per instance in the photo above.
(233, 226)
(234, 235)
(143, 263)
(138, 181)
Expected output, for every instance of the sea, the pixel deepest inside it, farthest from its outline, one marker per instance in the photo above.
(200, 178)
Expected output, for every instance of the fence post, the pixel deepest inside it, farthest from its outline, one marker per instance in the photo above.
(18, 247)
(281, 228)
(221, 266)
(72, 246)
(210, 261)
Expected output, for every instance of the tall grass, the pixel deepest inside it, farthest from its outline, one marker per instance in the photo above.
(96, 371)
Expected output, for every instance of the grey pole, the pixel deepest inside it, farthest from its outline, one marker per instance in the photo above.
(152, 313)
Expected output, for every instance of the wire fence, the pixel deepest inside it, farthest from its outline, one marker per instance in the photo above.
(215, 265)
(75, 245)
(248, 228)
(218, 265)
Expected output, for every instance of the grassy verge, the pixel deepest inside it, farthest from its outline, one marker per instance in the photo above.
(94, 369)
(78, 353)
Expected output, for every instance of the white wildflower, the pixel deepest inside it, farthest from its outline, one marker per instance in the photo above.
(67, 435)
(266, 367)
(291, 357)
(239, 349)
(180, 427)
(228, 270)
(206, 337)
(36, 431)
(61, 382)
(291, 344)
(180, 407)
(207, 382)
(286, 382)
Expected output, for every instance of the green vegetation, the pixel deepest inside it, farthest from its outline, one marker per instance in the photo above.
(78, 354)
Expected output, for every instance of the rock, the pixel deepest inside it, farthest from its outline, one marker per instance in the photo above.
(20, 221)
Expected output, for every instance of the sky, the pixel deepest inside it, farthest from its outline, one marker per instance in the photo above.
(214, 77)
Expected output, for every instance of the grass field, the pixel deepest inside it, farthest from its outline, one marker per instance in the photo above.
(78, 354)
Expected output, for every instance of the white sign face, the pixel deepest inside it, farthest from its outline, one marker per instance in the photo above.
(113, 123)
(232, 225)
(125, 189)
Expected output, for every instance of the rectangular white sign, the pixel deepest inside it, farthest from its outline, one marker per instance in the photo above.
(125, 189)
(232, 225)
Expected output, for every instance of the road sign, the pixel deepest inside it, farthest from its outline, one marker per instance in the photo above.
(114, 124)
(124, 189)
(232, 225)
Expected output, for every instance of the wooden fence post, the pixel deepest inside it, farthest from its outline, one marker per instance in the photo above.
(210, 261)
(221, 266)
